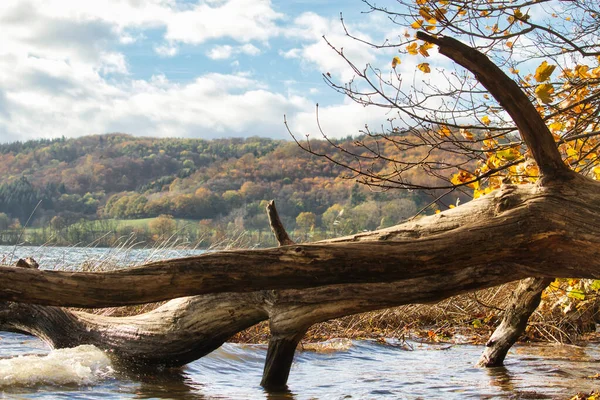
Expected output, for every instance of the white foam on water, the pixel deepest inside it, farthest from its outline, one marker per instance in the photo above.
(81, 365)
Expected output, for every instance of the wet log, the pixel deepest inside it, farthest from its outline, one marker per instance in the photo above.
(280, 356)
(524, 300)
(180, 331)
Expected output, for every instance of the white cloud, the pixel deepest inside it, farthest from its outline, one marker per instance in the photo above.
(250, 50)
(112, 62)
(241, 20)
(292, 53)
(60, 72)
(63, 70)
(310, 28)
(211, 105)
(224, 52)
(220, 52)
(166, 50)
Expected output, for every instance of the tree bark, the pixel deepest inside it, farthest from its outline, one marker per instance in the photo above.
(280, 356)
(178, 332)
(524, 300)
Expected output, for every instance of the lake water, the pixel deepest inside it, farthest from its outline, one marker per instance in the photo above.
(356, 370)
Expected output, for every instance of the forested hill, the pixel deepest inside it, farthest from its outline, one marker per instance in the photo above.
(118, 176)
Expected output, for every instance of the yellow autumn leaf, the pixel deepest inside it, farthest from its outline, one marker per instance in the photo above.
(412, 49)
(440, 14)
(429, 28)
(581, 71)
(444, 131)
(424, 67)
(596, 172)
(556, 126)
(423, 49)
(466, 134)
(572, 153)
(544, 93)
(462, 178)
(518, 13)
(462, 12)
(425, 12)
(478, 193)
(509, 44)
(508, 154)
(395, 61)
(513, 71)
(417, 24)
(543, 72)
(486, 120)
(421, 2)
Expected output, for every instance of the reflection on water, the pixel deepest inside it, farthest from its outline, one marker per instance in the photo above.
(364, 370)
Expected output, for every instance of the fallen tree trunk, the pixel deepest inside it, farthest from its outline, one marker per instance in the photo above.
(551, 229)
(527, 230)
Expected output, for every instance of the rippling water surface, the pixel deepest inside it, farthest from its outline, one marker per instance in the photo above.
(363, 370)
(357, 370)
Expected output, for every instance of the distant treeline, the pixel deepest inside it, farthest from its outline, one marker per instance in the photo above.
(54, 184)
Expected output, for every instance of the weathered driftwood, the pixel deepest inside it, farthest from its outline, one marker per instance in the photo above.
(524, 300)
(550, 229)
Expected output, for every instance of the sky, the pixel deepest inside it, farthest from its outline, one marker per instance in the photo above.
(172, 68)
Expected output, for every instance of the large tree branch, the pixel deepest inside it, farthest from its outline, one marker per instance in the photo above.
(553, 230)
(531, 126)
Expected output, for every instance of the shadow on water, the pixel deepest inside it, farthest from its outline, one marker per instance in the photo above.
(506, 381)
(161, 384)
(178, 383)
(280, 394)
(501, 378)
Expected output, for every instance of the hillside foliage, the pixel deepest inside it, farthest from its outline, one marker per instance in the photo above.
(217, 185)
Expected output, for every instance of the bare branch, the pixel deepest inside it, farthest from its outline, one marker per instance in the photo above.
(276, 226)
(512, 99)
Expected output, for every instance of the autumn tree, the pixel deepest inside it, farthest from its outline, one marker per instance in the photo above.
(463, 129)
(446, 124)
(163, 226)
